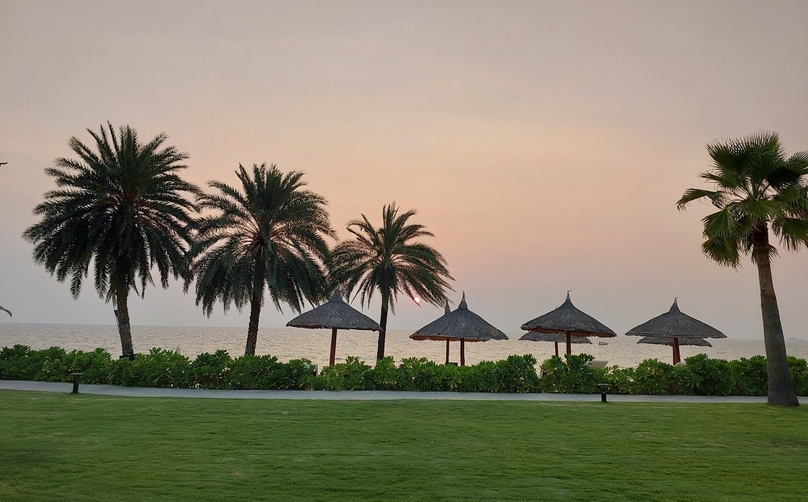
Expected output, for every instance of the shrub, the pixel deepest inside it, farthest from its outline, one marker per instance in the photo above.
(749, 376)
(250, 372)
(52, 365)
(421, 374)
(481, 377)
(158, 368)
(211, 371)
(571, 375)
(164, 368)
(621, 380)
(657, 378)
(518, 374)
(92, 365)
(384, 376)
(799, 375)
(707, 377)
(14, 362)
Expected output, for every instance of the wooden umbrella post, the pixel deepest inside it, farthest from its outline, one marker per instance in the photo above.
(333, 347)
(447, 351)
(677, 358)
(569, 343)
(462, 352)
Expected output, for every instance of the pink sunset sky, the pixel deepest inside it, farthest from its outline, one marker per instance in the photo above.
(543, 143)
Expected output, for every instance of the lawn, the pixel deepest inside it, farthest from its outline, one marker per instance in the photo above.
(63, 447)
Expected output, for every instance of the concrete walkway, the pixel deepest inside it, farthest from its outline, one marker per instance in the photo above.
(355, 395)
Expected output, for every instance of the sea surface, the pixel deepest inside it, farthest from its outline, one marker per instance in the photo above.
(314, 344)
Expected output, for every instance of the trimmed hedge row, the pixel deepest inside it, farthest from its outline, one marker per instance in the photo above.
(700, 376)
(163, 368)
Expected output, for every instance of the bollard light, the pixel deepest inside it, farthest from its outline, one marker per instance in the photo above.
(603, 388)
(76, 376)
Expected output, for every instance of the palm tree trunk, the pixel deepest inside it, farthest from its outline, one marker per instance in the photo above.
(383, 332)
(124, 327)
(781, 387)
(252, 329)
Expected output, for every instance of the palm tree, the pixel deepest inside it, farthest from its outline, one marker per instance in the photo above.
(757, 188)
(120, 208)
(270, 233)
(386, 259)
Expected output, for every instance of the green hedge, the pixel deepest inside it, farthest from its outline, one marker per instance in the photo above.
(163, 368)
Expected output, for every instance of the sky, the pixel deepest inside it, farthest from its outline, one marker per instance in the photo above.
(543, 143)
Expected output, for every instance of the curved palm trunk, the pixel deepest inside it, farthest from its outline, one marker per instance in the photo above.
(252, 329)
(781, 388)
(124, 327)
(383, 332)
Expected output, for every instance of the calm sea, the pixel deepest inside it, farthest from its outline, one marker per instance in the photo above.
(293, 343)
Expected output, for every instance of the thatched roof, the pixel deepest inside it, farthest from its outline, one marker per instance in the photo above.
(675, 323)
(535, 336)
(459, 324)
(568, 319)
(658, 340)
(335, 313)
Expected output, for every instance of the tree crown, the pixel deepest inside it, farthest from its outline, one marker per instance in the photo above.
(120, 207)
(270, 231)
(386, 259)
(756, 186)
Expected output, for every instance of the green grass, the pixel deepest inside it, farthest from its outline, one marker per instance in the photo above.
(63, 447)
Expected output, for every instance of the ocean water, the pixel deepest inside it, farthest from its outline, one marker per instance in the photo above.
(296, 343)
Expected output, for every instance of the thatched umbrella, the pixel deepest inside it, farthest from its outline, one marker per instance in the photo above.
(535, 336)
(676, 326)
(571, 322)
(460, 324)
(334, 314)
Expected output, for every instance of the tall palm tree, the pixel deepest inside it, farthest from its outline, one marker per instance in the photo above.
(271, 232)
(757, 189)
(386, 259)
(120, 208)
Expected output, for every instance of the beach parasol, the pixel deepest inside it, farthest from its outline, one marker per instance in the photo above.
(676, 326)
(535, 336)
(571, 322)
(334, 314)
(461, 325)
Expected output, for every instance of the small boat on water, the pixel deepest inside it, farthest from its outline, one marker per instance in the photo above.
(603, 343)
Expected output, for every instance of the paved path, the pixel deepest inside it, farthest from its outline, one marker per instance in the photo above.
(355, 395)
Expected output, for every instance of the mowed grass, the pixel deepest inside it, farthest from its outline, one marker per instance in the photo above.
(63, 447)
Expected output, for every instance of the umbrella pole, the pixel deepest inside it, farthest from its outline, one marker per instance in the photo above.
(556, 344)
(333, 347)
(677, 356)
(462, 352)
(447, 351)
(569, 343)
